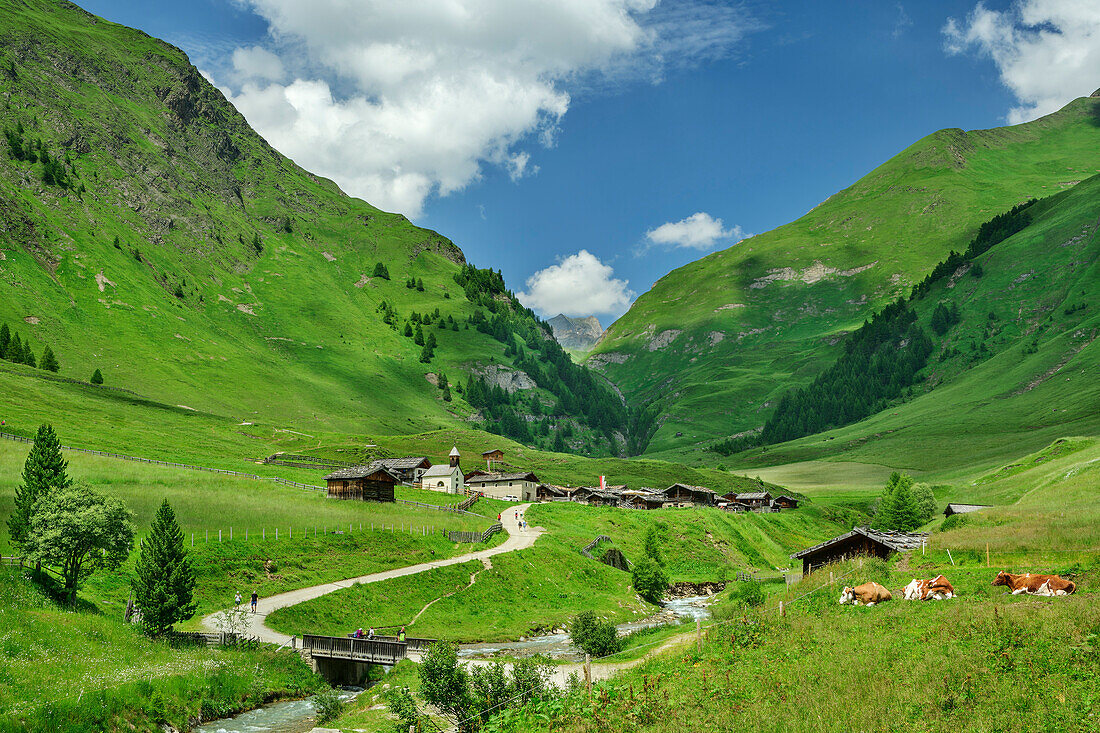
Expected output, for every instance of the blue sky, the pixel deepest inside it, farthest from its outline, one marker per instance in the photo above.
(569, 141)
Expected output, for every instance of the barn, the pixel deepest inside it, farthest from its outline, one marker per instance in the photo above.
(785, 502)
(953, 509)
(373, 482)
(688, 495)
(861, 541)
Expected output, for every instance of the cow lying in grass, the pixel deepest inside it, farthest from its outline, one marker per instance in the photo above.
(936, 589)
(867, 594)
(1036, 585)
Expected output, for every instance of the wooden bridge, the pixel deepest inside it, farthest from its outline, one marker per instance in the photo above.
(344, 659)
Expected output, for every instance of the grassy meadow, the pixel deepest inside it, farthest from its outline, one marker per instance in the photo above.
(74, 671)
(986, 661)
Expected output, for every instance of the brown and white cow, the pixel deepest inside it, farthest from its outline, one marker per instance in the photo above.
(1037, 585)
(867, 594)
(936, 589)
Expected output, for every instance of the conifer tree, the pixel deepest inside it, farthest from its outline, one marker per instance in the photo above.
(44, 469)
(446, 393)
(28, 355)
(426, 355)
(164, 585)
(49, 361)
(15, 349)
(430, 341)
(5, 340)
(420, 285)
(408, 329)
(97, 377)
(418, 339)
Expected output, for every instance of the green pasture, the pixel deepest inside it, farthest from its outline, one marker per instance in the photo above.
(65, 670)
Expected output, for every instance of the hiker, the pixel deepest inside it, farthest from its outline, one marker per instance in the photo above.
(401, 634)
(237, 600)
(358, 634)
(370, 633)
(255, 597)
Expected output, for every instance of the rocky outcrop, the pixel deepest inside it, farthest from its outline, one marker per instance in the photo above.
(509, 379)
(686, 589)
(576, 333)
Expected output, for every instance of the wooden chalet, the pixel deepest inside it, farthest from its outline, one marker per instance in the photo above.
(688, 495)
(953, 509)
(373, 482)
(784, 502)
(755, 499)
(645, 500)
(496, 454)
(548, 492)
(860, 541)
(733, 506)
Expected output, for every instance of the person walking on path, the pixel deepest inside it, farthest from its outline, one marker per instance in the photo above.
(255, 597)
(237, 600)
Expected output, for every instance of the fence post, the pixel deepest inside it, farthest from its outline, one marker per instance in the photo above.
(246, 533)
(782, 611)
(263, 533)
(207, 535)
(230, 533)
(192, 539)
(219, 535)
(987, 554)
(276, 533)
(588, 674)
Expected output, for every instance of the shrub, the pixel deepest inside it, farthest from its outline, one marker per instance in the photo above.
(750, 593)
(329, 705)
(954, 522)
(97, 377)
(595, 637)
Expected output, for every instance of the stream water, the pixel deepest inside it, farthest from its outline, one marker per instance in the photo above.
(558, 646)
(294, 716)
(298, 716)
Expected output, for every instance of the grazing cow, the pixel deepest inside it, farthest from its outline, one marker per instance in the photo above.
(1036, 585)
(936, 589)
(867, 594)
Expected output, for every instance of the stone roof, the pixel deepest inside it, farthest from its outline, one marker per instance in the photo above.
(440, 470)
(362, 471)
(402, 464)
(965, 508)
(753, 496)
(898, 541)
(488, 478)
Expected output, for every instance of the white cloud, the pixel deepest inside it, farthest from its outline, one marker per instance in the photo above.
(398, 101)
(1047, 51)
(579, 285)
(257, 63)
(699, 231)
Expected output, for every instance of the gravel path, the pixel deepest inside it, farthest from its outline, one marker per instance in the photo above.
(518, 539)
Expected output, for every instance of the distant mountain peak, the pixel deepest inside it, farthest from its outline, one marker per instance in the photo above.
(576, 333)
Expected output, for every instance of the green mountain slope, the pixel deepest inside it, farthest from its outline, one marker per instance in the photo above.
(714, 344)
(148, 231)
(1019, 369)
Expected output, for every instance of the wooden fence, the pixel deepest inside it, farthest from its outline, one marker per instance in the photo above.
(460, 508)
(587, 549)
(475, 536)
(208, 638)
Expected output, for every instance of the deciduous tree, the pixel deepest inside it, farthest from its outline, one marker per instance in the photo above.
(78, 531)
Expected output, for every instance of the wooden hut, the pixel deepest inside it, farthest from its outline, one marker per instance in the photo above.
(373, 482)
(688, 495)
(953, 509)
(860, 541)
(408, 469)
(549, 492)
(755, 499)
(784, 502)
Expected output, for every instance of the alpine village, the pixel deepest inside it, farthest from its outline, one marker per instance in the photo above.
(273, 458)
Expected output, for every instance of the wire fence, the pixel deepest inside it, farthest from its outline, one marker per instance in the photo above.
(461, 508)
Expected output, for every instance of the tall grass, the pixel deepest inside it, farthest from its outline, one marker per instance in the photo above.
(63, 670)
